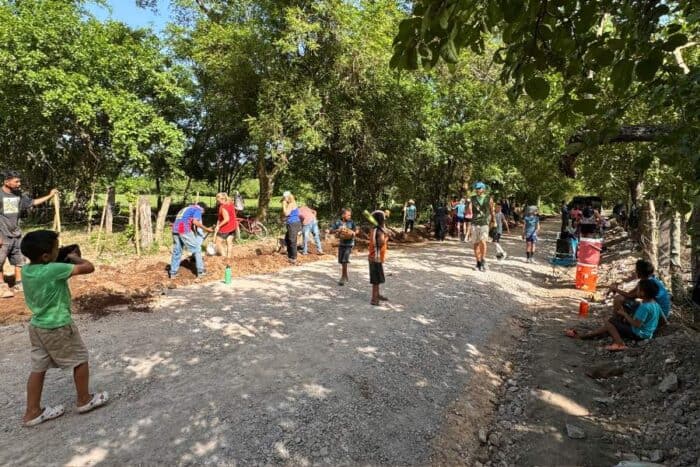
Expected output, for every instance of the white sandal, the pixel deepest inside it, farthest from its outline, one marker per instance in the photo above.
(98, 400)
(49, 413)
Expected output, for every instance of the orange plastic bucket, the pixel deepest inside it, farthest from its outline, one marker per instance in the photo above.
(586, 277)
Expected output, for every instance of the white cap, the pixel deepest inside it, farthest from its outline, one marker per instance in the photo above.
(286, 193)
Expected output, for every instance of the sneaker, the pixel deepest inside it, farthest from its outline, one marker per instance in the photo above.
(201, 274)
(320, 253)
(341, 281)
(483, 266)
(18, 287)
(532, 261)
(6, 292)
(505, 255)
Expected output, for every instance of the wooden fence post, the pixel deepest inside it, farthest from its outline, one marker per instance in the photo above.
(145, 223)
(99, 231)
(649, 230)
(91, 208)
(160, 221)
(137, 239)
(109, 218)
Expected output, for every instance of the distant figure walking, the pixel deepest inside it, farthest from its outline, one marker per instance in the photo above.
(483, 209)
(410, 213)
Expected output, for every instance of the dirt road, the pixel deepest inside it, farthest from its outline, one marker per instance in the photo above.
(283, 368)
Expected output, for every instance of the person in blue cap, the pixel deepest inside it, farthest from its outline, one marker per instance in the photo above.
(483, 216)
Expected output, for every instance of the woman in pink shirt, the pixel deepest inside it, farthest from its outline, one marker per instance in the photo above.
(309, 225)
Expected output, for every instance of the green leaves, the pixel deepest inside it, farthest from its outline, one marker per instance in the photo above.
(537, 88)
(646, 68)
(622, 76)
(674, 41)
(584, 106)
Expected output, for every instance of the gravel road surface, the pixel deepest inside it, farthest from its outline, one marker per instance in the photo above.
(287, 368)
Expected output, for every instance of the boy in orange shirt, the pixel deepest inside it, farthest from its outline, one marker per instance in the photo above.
(378, 243)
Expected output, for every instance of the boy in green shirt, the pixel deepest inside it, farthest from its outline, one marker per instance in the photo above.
(55, 340)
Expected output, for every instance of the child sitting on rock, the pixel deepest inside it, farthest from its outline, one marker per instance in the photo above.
(641, 326)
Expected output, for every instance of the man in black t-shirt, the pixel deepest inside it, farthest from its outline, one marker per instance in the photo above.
(12, 203)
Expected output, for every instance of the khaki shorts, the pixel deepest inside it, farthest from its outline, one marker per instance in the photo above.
(480, 233)
(56, 348)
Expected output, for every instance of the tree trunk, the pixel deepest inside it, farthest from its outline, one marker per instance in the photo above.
(159, 195)
(109, 213)
(626, 134)
(665, 221)
(267, 185)
(160, 221)
(676, 248)
(186, 193)
(145, 224)
(90, 210)
(694, 229)
(650, 234)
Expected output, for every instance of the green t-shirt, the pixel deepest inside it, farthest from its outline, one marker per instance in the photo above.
(47, 294)
(481, 209)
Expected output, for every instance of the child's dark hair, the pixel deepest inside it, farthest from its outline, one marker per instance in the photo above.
(649, 288)
(37, 243)
(344, 210)
(644, 269)
(379, 216)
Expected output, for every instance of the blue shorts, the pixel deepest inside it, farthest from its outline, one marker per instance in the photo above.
(460, 220)
(532, 238)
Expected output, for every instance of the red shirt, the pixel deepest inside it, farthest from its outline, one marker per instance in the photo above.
(232, 223)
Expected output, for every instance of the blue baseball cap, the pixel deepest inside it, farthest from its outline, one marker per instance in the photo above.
(479, 186)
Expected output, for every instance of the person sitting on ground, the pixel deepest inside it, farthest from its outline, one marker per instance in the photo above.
(346, 229)
(378, 244)
(629, 300)
(410, 210)
(309, 227)
(641, 326)
(188, 232)
(55, 340)
(226, 225)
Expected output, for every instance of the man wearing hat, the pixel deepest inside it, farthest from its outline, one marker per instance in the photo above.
(483, 215)
(410, 215)
(12, 204)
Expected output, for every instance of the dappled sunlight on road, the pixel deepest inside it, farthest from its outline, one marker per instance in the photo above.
(287, 367)
(561, 402)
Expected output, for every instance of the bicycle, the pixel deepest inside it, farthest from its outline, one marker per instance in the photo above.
(252, 227)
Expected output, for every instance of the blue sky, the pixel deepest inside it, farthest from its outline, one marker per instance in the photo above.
(126, 11)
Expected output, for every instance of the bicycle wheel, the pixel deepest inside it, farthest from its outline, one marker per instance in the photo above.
(258, 230)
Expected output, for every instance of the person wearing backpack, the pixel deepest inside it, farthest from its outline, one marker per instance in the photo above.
(188, 232)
